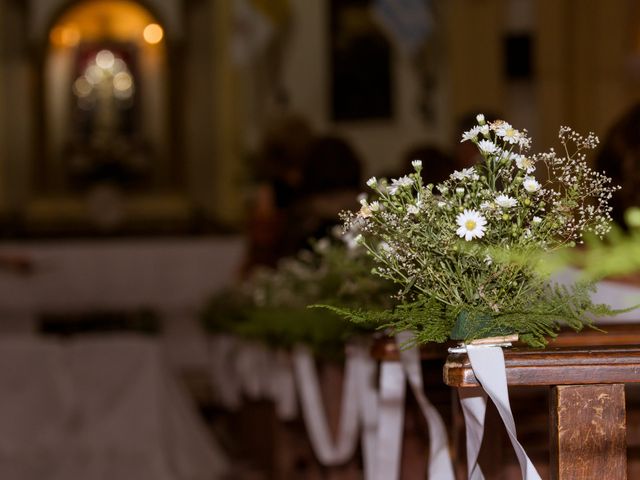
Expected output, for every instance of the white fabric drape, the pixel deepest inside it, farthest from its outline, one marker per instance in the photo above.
(98, 409)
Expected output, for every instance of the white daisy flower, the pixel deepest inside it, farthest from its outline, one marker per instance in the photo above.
(508, 133)
(374, 206)
(536, 219)
(471, 134)
(398, 183)
(362, 198)
(531, 185)
(417, 164)
(441, 204)
(459, 190)
(471, 224)
(485, 206)
(413, 210)
(487, 146)
(484, 130)
(525, 163)
(464, 174)
(505, 201)
(480, 118)
(372, 182)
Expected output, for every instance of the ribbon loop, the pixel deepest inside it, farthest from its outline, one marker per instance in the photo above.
(489, 368)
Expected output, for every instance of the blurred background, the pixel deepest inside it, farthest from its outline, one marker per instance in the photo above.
(153, 152)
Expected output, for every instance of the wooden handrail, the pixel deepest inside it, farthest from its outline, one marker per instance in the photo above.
(555, 366)
(587, 408)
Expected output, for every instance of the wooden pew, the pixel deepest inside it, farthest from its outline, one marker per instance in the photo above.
(587, 407)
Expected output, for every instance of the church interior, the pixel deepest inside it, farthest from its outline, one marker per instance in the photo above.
(154, 154)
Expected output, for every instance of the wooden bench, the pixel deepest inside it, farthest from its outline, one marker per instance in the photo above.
(587, 407)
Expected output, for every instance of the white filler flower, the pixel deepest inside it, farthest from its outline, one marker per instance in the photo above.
(531, 185)
(505, 201)
(399, 183)
(471, 225)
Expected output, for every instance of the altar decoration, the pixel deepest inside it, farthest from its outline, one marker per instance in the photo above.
(450, 247)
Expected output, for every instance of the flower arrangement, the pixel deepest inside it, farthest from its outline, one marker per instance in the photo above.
(271, 305)
(450, 247)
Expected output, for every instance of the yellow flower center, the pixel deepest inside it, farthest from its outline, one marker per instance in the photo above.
(510, 132)
(470, 224)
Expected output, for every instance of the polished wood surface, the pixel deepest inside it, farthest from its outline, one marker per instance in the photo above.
(588, 432)
(555, 366)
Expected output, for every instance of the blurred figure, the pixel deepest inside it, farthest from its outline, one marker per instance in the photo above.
(436, 164)
(279, 165)
(619, 157)
(332, 176)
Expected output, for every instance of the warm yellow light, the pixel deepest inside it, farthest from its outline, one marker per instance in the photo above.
(65, 36)
(153, 33)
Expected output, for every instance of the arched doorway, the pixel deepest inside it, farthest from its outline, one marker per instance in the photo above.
(106, 100)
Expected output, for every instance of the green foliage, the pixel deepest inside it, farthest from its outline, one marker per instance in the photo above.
(466, 254)
(272, 305)
(535, 317)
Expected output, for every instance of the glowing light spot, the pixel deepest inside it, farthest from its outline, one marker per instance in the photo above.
(153, 33)
(65, 36)
(105, 59)
(82, 88)
(119, 66)
(94, 74)
(122, 81)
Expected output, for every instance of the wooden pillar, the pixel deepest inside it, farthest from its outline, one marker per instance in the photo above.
(588, 432)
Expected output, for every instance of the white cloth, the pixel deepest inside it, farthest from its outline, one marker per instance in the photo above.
(172, 276)
(488, 366)
(97, 409)
(390, 421)
(328, 451)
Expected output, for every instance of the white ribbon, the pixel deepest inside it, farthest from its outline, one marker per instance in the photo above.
(282, 387)
(489, 368)
(368, 404)
(328, 452)
(440, 466)
(225, 380)
(390, 421)
(474, 408)
(252, 368)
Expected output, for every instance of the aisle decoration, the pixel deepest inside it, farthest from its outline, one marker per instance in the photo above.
(271, 306)
(450, 247)
(466, 256)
